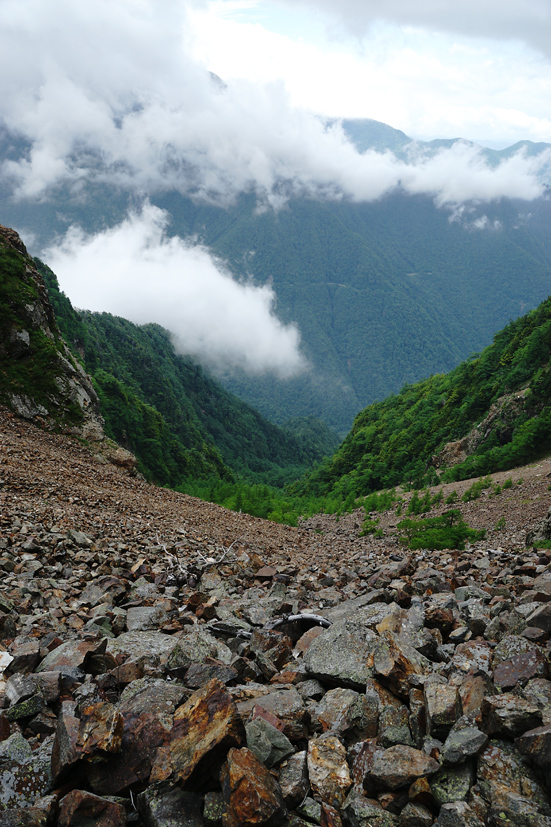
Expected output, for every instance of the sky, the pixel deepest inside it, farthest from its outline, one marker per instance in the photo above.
(218, 98)
(477, 70)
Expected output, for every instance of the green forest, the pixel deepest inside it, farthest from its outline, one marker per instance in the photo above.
(396, 441)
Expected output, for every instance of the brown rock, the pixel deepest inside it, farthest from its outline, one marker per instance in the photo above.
(79, 808)
(147, 708)
(101, 728)
(65, 752)
(443, 708)
(473, 690)
(520, 669)
(251, 793)
(207, 721)
(394, 662)
(304, 641)
(536, 745)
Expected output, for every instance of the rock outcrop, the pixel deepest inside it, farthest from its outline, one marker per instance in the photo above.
(40, 378)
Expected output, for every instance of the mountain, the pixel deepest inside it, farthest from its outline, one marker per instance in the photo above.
(491, 413)
(179, 422)
(384, 293)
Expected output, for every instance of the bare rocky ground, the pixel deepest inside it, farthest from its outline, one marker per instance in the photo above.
(166, 662)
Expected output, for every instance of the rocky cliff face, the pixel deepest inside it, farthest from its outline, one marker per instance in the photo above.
(39, 378)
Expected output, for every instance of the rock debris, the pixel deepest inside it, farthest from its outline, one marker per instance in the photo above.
(162, 660)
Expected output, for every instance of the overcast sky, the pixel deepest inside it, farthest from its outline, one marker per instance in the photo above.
(121, 91)
(478, 69)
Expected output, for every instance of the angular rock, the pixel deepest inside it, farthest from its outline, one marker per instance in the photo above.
(508, 715)
(472, 656)
(145, 618)
(199, 674)
(400, 765)
(268, 744)
(65, 752)
(80, 807)
(359, 811)
(536, 745)
(328, 769)
(195, 647)
(472, 691)
(348, 713)
(462, 744)
(100, 729)
(443, 708)
(415, 815)
(394, 662)
(293, 779)
(457, 814)
(511, 788)
(452, 783)
(170, 807)
(287, 705)
(394, 727)
(147, 708)
(23, 782)
(208, 721)
(342, 655)
(213, 809)
(520, 669)
(541, 617)
(251, 793)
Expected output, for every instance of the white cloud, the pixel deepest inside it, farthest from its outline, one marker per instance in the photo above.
(114, 93)
(136, 271)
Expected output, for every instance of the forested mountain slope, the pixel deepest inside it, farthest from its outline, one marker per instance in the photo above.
(178, 421)
(491, 413)
(384, 293)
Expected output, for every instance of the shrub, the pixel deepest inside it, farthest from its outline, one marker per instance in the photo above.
(447, 531)
(476, 489)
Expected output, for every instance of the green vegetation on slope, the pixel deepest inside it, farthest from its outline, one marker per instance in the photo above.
(182, 425)
(30, 360)
(394, 442)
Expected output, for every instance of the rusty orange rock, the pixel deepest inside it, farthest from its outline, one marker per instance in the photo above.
(251, 793)
(208, 720)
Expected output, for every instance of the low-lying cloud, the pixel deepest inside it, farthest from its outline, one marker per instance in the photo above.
(137, 271)
(112, 93)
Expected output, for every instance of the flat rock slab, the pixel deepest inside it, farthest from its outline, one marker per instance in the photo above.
(141, 644)
(342, 655)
